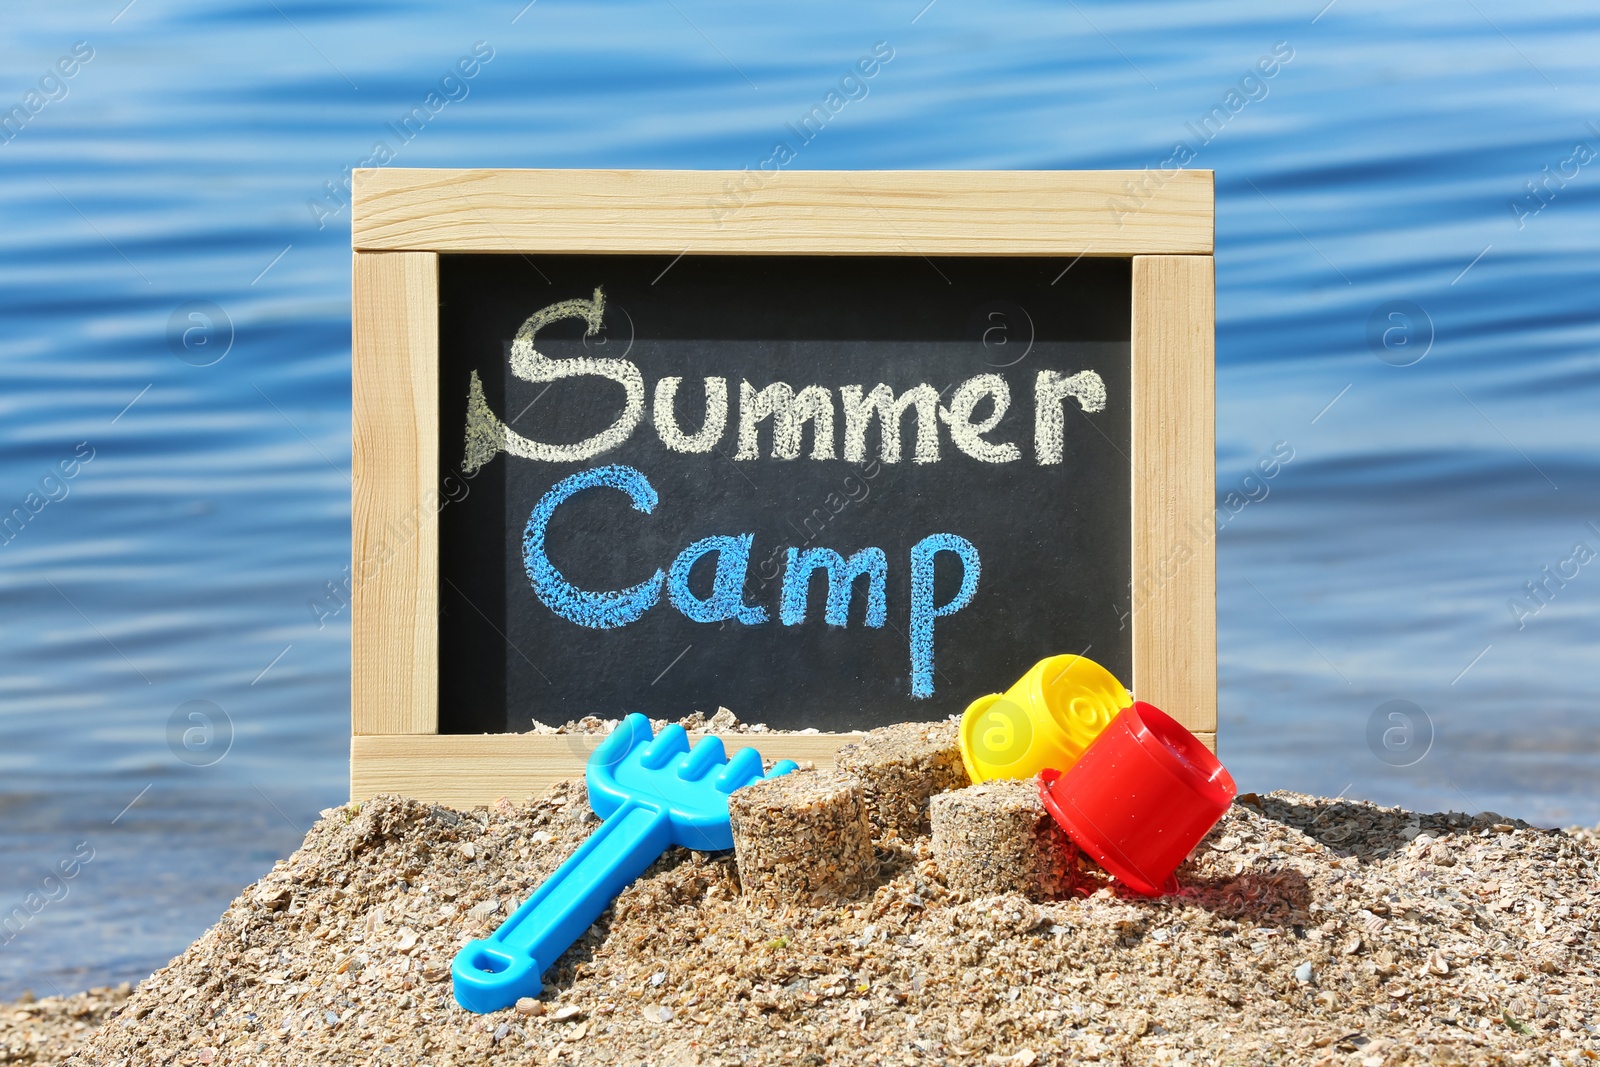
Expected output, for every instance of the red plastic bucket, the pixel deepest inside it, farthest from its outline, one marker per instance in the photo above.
(1140, 797)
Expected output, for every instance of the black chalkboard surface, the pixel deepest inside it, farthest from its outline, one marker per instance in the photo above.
(672, 568)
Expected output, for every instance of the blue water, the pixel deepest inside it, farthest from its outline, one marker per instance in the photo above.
(1378, 164)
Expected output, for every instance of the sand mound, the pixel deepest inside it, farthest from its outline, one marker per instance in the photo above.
(49, 1029)
(1309, 932)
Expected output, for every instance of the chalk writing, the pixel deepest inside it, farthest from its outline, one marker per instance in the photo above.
(599, 611)
(788, 409)
(816, 486)
(842, 574)
(710, 432)
(923, 611)
(790, 413)
(727, 588)
(612, 609)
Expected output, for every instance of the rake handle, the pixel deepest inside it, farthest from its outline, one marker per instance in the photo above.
(492, 973)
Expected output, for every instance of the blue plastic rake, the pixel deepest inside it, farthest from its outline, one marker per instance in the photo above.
(652, 793)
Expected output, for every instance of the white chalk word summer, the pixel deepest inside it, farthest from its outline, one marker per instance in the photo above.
(788, 409)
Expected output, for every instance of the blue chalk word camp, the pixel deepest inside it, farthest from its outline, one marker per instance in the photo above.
(612, 608)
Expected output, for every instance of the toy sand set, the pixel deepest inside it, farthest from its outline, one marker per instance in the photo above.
(884, 911)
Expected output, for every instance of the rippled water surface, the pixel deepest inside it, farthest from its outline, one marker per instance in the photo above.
(1383, 167)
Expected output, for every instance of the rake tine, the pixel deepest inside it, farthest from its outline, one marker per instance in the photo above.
(671, 741)
(742, 769)
(633, 730)
(707, 754)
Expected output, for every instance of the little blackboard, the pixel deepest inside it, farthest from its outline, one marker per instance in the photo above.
(621, 441)
(611, 544)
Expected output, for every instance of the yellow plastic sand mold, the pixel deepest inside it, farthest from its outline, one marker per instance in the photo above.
(1045, 720)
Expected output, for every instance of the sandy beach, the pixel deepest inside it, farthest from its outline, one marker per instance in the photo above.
(1308, 931)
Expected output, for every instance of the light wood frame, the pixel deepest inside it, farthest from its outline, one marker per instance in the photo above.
(401, 220)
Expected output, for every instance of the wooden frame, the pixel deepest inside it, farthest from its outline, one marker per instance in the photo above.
(402, 219)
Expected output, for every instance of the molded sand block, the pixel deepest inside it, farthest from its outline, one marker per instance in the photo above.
(803, 838)
(900, 767)
(997, 837)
